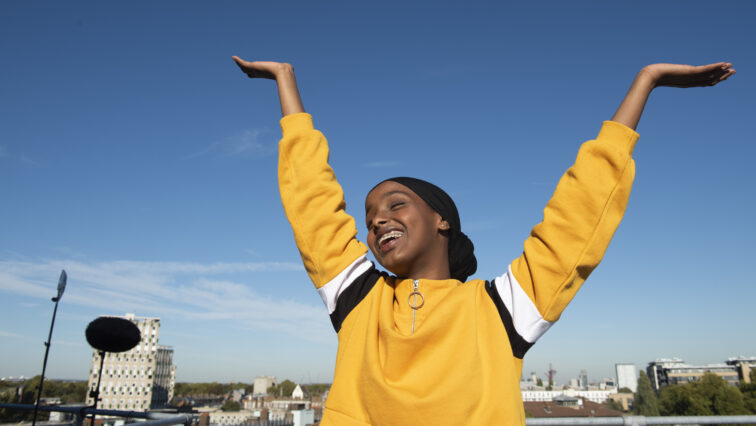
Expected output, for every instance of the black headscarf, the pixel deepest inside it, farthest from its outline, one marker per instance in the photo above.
(462, 262)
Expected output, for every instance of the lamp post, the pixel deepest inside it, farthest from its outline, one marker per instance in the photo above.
(56, 299)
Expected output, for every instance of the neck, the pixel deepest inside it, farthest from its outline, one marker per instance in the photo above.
(439, 272)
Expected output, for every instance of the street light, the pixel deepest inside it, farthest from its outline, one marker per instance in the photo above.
(56, 299)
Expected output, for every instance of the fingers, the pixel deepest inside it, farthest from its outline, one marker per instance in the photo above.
(721, 72)
(726, 75)
(246, 67)
(242, 64)
(239, 61)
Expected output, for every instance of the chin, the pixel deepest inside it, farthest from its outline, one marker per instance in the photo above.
(391, 265)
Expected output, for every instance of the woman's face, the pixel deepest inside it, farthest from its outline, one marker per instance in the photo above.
(405, 234)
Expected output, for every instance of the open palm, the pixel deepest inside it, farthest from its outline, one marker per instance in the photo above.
(259, 69)
(676, 75)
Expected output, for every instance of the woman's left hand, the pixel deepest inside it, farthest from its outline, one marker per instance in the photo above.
(677, 75)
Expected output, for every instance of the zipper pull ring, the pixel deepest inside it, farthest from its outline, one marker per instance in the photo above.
(414, 303)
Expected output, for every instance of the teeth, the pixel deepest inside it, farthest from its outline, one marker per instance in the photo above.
(392, 234)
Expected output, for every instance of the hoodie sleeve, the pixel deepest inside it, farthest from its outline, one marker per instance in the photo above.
(314, 204)
(562, 250)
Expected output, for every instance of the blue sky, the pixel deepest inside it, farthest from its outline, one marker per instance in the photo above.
(135, 155)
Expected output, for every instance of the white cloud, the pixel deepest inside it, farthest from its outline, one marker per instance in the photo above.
(178, 290)
(30, 161)
(4, 333)
(245, 143)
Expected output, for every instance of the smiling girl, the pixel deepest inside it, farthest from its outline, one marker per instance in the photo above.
(421, 345)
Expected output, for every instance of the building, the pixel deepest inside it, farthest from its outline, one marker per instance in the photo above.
(262, 383)
(744, 365)
(139, 379)
(626, 400)
(568, 406)
(596, 395)
(583, 379)
(231, 418)
(626, 376)
(674, 371)
(303, 417)
(298, 393)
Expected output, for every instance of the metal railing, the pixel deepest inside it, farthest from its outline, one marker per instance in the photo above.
(642, 421)
(165, 419)
(152, 419)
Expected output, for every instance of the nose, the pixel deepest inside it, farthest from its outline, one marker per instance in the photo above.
(379, 221)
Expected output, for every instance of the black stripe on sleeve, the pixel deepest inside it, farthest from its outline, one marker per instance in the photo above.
(518, 344)
(353, 295)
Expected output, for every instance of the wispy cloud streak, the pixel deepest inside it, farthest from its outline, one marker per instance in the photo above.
(245, 143)
(182, 290)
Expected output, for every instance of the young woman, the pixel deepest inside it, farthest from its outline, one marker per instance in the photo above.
(421, 346)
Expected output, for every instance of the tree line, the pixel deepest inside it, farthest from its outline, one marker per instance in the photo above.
(709, 396)
(69, 392)
(284, 388)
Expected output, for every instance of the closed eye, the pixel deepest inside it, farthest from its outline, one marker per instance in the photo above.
(396, 205)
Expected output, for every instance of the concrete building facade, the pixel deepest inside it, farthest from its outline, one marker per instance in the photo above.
(595, 395)
(674, 371)
(140, 379)
(262, 383)
(626, 376)
(583, 379)
(743, 365)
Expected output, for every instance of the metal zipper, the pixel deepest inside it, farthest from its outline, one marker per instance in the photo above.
(413, 302)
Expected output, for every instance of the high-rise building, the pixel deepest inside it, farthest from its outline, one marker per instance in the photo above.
(626, 377)
(139, 379)
(583, 379)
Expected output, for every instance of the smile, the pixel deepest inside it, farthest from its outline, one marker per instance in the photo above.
(385, 241)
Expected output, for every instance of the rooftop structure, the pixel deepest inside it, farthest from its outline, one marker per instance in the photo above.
(139, 379)
(673, 371)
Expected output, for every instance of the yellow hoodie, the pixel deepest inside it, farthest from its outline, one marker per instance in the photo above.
(463, 362)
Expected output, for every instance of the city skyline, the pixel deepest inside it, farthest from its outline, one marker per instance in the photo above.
(136, 156)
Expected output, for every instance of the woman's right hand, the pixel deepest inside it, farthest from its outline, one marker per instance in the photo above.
(283, 74)
(263, 69)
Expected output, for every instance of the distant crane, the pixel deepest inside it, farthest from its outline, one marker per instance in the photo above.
(550, 374)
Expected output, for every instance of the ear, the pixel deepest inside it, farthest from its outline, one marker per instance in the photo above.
(443, 225)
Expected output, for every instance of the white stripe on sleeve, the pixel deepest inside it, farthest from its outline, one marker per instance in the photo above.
(528, 322)
(331, 291)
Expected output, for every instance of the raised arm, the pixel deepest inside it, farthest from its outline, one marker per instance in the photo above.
(283, 74)
(585, 210)
(314, 201)
(674, 75)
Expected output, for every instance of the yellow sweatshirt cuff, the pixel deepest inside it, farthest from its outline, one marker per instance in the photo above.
(293, 123)
(623, 137)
